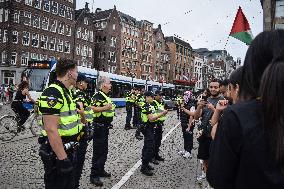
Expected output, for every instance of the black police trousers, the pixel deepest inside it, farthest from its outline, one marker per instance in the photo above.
(100, 149)
(135, 116)
(149, 144)
(158, 135)
(128, 112)
(81, 153)
(187, 137)
(53, 178)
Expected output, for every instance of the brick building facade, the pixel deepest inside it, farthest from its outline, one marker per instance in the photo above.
(181, 61)
(33, 30)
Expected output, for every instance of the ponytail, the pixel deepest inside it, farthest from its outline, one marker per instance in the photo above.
(272, 93)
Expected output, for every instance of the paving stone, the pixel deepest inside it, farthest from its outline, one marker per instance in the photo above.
(21, 166)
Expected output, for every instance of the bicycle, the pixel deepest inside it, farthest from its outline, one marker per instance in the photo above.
(9, 125)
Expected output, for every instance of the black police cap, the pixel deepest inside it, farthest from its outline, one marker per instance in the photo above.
(148, 93)
(82, 77)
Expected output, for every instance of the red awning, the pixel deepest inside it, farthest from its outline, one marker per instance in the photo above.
(184, 82)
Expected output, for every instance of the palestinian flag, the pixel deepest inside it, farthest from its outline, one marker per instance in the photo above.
(241, 29)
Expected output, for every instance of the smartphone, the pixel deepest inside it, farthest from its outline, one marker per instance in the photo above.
(204, 97)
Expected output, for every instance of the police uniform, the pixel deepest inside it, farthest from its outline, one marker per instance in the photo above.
(129, 98)
(149, 140)
(158, 129)
(82, 97)
(140, 103)
(57, 100)
(101, 123)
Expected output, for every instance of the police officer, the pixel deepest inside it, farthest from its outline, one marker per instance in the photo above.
(103, 109)
(136, 108)
(129, 98)
(140, 101)
(84, 102)
(61, 128)
(149, 116)
(158, 129)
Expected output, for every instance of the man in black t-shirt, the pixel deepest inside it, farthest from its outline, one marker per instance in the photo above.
(205, 110)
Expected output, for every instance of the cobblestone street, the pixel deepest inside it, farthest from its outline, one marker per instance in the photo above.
(22, 168)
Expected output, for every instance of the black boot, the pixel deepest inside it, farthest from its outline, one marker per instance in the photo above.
(150, 167)
(154, 161)
(146, 171)
(105, 174)
(127, 127)
(96, 181)
(159, 158)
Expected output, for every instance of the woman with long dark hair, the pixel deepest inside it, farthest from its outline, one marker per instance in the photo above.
(248, 150)
(17, 104)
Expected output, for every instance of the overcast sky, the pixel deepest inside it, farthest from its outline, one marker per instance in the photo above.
(202, 23)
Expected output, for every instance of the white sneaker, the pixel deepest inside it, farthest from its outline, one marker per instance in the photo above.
(201, 177)
(182, 152)
(187, 155)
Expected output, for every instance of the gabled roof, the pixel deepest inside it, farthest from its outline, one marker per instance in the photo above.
(101, 15)
(128, 19)
(178, 41)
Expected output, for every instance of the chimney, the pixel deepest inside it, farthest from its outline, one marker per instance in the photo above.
(98, 10)
(87, 7)
(159, 26)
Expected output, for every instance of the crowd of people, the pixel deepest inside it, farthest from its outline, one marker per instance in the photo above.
(239, 123)
(7, 93)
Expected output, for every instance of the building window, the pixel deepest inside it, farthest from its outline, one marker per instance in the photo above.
(61, 28)
(113, 42)
(16, 17)
(60, 46)
(6, 15)
(29, 2)
(46, 5)
(26, 38)
(69, 13)
(34, 56)
(13, 58)
(279, 11)
(61, 10)
(15, 37)
(52, 42)
(54, 7)
(79, 33)
(24, 58)
(68, 30)
(112, 56)
(4, 57)
(44, 40)
(85, 35)
(86, 22)
(84, 51)
(91, 37)
(44, 23)
(90, 53)
(53, 27)
(36, 21)
(78, 49)
(37, 4)
(35, 40)
(5, 38)
(1, 15)
(27, 19)
(103, 24)
(67, 47)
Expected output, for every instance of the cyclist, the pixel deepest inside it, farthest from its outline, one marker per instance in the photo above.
(17, 105)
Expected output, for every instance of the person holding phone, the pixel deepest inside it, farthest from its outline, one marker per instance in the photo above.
(205, 109)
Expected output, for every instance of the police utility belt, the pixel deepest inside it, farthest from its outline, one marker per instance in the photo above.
(101, 124)
(45, 150)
